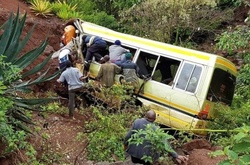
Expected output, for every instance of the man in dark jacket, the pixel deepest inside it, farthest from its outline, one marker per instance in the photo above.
(95, 46)
(138, 151)
(130, 70)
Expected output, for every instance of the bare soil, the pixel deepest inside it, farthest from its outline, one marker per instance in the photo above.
(61, 131)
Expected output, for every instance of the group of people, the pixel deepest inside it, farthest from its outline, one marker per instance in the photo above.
(119, 60)
(126, 67)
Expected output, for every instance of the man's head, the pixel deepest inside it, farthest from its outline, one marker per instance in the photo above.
(151, 115)
(74, 53)
(128, 56)
(68, 64)
(106, 58)
(222, 88)
(117, 42)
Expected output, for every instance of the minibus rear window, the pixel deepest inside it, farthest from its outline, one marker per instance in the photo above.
(221, 87)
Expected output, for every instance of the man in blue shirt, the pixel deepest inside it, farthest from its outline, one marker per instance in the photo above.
(74, 79)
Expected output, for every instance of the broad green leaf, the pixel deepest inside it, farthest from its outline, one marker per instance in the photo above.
(19, 115)
(241, 147)
(5, 37)
(225, 162)
(14, 38)
(232, 155)
(217, 153)
(36, 101)
(239, 136)
(245, 159)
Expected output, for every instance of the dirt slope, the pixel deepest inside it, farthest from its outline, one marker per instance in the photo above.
(46, 28)
(62, 132)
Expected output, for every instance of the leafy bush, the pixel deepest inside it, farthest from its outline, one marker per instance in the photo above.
(65, 10)
(230, 118)
(85, 7)
(8, 72)
(57, 6)
(114, 7)
(53, 107)
(106, 132)
(66, 14)
(157, 138)
(168, 20)
(9, 135)
(226, 121)
(234, 39)
(101, 18)
(231, 3)
(237, 151)
(242, 93)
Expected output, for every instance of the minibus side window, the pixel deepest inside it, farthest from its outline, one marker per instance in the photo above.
(146, 63)
(166, 70)
(189, 77)
(192, 85)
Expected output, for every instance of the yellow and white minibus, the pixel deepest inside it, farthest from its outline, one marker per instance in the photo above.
(181, 85)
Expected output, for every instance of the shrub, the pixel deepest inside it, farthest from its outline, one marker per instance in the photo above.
(106, 132)
(233, 40)
(170, 20)
(237, 151)
(157, 138)
(41, 7)
(66, 15)
(65, 10)
(101, 18)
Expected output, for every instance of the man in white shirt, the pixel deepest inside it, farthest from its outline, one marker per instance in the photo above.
(63, 57)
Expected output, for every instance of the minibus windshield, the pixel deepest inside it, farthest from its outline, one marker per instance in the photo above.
(222, 87)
